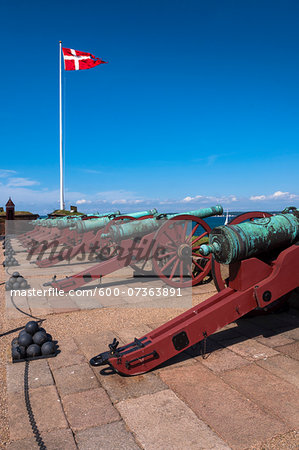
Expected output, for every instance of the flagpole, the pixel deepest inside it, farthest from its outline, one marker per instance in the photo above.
(60, 132)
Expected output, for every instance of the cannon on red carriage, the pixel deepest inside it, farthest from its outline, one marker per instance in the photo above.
(263, 258)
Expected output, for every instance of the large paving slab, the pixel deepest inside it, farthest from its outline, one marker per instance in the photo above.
(53, 440)
(235, 418)
(76, 378)
(222, 359)
(163, 421)
(287, 441)
(291, 350)
(90, 408)
(291, 333)
(93, 344)
(250, 349)
(283, 367)
(40, 375)
(68, 356)
(120, 388)
(268, 391)
(112, 436)
(47, 409)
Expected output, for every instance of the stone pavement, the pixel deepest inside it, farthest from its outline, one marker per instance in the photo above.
(243, 394)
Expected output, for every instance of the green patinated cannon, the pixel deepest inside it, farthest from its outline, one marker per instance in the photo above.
(96, 224)
(70, 222)
(146, 226)
(230, 243)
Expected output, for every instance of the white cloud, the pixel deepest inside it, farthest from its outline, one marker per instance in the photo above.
(208, 199)
(83, 201)
(257, 197)
(6, 173)
(21, 182)
(192, 199)
(278, 195)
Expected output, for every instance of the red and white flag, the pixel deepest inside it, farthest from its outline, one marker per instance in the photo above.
(76, 60)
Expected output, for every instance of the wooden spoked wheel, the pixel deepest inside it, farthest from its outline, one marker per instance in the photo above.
(220, 271)
(175, 253)
(144, 267)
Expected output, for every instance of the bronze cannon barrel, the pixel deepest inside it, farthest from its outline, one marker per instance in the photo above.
(146, 226)
(230, 243)
(96, 224)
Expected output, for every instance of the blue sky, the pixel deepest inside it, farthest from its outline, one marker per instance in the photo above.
(198, 105)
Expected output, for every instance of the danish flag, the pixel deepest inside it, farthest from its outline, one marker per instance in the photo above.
(76, 60)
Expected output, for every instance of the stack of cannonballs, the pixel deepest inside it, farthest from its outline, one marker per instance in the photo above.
(32, 342)
(16, 281)
(9, 253)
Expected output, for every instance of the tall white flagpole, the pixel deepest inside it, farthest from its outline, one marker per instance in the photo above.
(60, 132)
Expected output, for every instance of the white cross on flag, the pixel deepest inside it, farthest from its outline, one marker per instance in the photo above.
(76, 60)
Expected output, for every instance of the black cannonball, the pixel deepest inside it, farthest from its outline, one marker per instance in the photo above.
(48, 348)
(25, 339)
(49, 337)
(33, 350)
(40, 338)
(24, 284)
(20, 279)
(15, 342)
(16, 285)
(22, 350)
(42, 329)
(31, 327)
(22, 332)
(16, 274)
(18, 352)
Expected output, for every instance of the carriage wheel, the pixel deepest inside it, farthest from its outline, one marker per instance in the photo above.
(175, 253)
(143, 267)
(220, 271)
